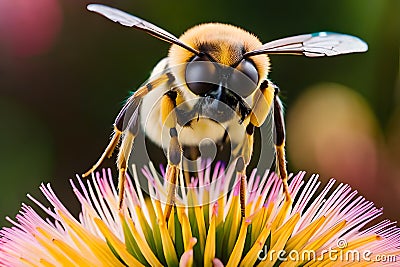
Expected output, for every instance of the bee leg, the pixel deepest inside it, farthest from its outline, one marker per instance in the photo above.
(174, 159)
(126, 125)
(130, 132)
(241, 165)
(168, 118)
(241, 173)
(107, 152)
(129, 121)
(279, 140)
(119, 127)
(122, 162)
(190, 154)
(264, 99)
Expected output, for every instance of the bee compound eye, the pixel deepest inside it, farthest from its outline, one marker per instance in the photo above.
(244, 79)
(201, 76)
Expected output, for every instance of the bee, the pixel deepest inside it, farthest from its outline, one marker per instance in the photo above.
(214, 81)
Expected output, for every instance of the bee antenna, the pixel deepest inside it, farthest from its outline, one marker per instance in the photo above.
(129, 20)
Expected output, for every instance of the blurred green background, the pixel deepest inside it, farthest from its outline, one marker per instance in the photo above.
(64, 73)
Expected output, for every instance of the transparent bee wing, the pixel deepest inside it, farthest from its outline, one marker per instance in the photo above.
(318, 44)
(129, 20)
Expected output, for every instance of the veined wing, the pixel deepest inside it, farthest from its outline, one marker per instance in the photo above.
(129, 20)
(313, 45)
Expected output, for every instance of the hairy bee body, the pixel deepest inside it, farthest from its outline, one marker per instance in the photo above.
(226, 44)
(213, 85)
(191, 133)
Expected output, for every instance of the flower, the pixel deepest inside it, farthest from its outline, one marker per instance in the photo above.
(205, 227)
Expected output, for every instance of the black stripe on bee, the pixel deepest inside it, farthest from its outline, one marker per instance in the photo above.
(119, 121)
(174, 151)
(134, 123)
(276, 90)
(279, 136)
(250, 129)
(171, 77)
(173, 132)
(149, 87)
(172, 95)
(240, 164)
(128, 110)
(264, 85)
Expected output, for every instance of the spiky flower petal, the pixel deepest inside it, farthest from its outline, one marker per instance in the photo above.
(205, 227)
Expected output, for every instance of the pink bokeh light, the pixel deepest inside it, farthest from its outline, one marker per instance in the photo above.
(29, 27)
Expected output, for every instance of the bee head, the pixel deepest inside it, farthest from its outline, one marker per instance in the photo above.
(221, 64)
